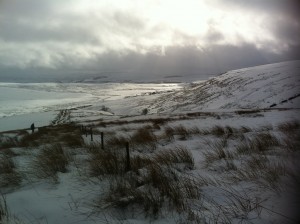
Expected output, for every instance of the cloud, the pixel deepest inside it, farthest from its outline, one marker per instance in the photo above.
(157, 37)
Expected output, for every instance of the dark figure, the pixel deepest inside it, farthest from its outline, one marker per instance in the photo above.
(32, 127)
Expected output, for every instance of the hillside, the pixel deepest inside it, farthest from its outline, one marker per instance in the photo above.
(273, 85)
(201, 160)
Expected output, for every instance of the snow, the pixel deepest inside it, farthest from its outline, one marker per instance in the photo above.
(37, 102)
(237, 99)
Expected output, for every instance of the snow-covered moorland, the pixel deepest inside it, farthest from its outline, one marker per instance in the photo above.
(225, 150)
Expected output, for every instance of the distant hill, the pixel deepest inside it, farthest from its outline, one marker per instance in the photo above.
(265, 86)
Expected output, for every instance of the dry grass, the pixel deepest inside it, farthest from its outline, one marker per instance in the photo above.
(116, 142)
(159, 186)
(4, 214)
(106, 162)
(138, 162)
(288, 127)
(169, 133)
(71, 139)
(67, 134)
(143, 139)
(217, 152)
(264, 141)
(50, 161)
(260, 143)
(260, 169)
(9, 176)
(291, 131)
(179, 155)
(182, 132)
(218, 131)
(30, 139)
(153, 182)
(7, 142)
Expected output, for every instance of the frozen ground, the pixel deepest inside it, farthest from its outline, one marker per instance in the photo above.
(22, 104)
(244, 150)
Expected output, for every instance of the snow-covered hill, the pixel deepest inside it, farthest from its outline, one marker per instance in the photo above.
(211, 166)
(272, 85)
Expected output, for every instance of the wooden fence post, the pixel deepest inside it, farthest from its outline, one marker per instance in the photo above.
(85, 130)
(102, 143)
(91, 134)
(128, 167)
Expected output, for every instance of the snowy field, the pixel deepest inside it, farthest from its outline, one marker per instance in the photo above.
(225, 150)
(22, 104)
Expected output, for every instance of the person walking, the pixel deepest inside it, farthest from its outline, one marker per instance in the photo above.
(32, 128)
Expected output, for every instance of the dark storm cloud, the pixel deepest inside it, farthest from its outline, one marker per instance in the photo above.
(214, 35)
(187, 61)
(28, 33)
(62, 37)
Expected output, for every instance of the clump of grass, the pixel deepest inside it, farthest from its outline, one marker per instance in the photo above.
(240, 204)
(218, 131)
(169, 133)
(50, 161)
(106, 162)
(182, 132)
(8, 173)
(8, 142)
(4, 214)
(244, 147)
(195, 130)
(138, 162)
(29, 139)
(143, 139)
(260, 169)
(152, 183)
(117, 142)
(230, 131)
(291, 142)
(230, 165)
(264, 141)
(71, 139)
(67, 134)
(160, 186)
(288, 127)
(245, 129)
(179, 155)
(217, 151)
(291, 131)
(8, 152)
(260, 143)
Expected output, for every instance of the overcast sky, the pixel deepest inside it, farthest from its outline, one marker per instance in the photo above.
(145, 37)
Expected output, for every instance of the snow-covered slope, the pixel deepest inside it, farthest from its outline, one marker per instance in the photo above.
(273, 85)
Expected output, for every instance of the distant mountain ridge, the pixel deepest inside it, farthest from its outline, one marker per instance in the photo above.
(264, 86)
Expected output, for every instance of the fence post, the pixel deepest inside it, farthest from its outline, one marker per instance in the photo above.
(102, 143)
(128, 167)
(85, 130)
(91, 134)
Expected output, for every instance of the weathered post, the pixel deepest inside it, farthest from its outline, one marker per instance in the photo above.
(85, 130)
(128, 167)
(91, 134)
(102, 143)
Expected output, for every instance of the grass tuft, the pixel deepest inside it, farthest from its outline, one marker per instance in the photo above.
(179, 155)
(106, 162)
(8, 173)
(50, 161)
(143, 139)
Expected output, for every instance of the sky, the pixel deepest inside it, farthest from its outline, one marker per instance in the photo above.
(144, 38)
